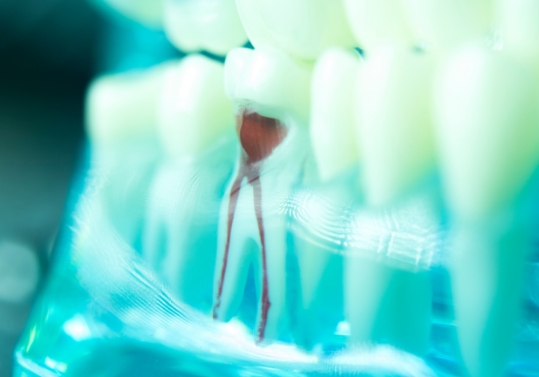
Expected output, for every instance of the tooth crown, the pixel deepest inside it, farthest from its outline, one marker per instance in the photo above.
(211, 25)
(124, 107)
(394, 119)
(449, 23)
(378, 22)
(487, 116)
(332, 112)
(302, 28)
(194, 109)
(270, 79)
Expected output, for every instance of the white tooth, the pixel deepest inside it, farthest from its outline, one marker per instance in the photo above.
(121, 119)
(487, 117)
(148, 12)
(378, 22)
(302, 28)
(487, 121)
(180, 237)
(211, 25)
(394, 118)
(194, 110)
(332, 116)
(520, 27)
(271, 79)
(253, 220)
(121, 108)
(448, 23)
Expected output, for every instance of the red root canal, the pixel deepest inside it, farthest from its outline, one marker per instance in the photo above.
(259, 136)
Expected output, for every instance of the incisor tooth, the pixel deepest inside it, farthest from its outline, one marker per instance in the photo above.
(378, 22)
(332, 116)
(211, 25)
(302, 28)
(194, 109)
(394, 119)
(448, 23)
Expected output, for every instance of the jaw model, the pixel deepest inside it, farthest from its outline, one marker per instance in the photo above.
(457, 108)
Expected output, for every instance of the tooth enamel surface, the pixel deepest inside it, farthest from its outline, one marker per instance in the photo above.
(332, 116)
(378, 22)
(302, 28)
(486, 110)
(194, 109)
(124, 107)
(211, 25)
(394, 119)
(520, 27)
(148, 12)
(448, 23)
(269, 78)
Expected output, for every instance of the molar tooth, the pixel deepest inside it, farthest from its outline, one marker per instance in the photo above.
(378, 22)
(488, 118)
(332, 116)
(195, 119)
(253, 221)
(211, 25)
(395, 128)
(448, 23)
(302, 28)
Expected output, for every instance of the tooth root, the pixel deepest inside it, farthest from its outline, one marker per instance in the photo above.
(303, 28)
(209, 25)
(449, 23)
(270, 79)
(489, 143)
(332, 116)
(520, 27)
(387, 305)
(378, 22)
(395, 128)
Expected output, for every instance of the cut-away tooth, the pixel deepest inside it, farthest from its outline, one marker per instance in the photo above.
(269, 78)
(378, 22)
(180, 237)
(302, 28)
(394, 119)
(124, 107)
(253, 220)
(148, 12)
(448, 23)
(332, 116)
(121, 119)
(194, 110)
(211, 25)
(487, 117)
(520, 27)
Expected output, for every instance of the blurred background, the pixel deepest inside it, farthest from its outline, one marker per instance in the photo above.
(49, 51)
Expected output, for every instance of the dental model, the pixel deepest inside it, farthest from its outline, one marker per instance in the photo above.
(180, 239)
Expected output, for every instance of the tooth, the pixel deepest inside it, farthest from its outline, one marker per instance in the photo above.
(253, 222)
(448, 23)
(211, 25)
(270, 78)
(196, 118)
(332, 119)
(378, 22)
(302, 28)
(397, 152)
(486, 110)
(121, 119)
(148, 12)
(520, 27)
(395, 128)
